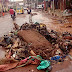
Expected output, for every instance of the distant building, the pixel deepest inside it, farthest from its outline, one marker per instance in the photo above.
(61, 4)
(4, 5)
(15, 4)
(32, 3)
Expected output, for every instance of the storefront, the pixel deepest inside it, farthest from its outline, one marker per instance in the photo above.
(69, 4)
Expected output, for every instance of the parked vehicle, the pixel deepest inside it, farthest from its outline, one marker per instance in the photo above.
(25, 8)
(19, 10)
(13, 17)
(39, 7)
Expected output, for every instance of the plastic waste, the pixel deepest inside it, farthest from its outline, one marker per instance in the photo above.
(49, 69)
(16, 32)
(32, 52)
(70, 57)
(38, 56)
(9, 46)
(44, 64)
(55, 58)
(7, 39)
(36, 23)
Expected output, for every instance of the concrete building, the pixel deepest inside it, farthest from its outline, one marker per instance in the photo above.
(4, 5)
(61, 4)
(57, 7)
(32, 3)
(56, 4)
(15, 4)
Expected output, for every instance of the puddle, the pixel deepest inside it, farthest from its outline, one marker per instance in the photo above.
(2, 53)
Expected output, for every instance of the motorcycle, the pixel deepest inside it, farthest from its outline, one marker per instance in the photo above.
(13, 17)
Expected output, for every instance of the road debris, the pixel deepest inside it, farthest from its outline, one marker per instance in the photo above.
(34, 44)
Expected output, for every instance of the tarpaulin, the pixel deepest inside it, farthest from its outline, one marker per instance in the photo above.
(8, 66)
(28, 60)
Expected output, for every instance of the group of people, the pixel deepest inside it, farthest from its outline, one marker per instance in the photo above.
(12, 11)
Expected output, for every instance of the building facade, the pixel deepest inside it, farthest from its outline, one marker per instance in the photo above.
(32, 3)
(4, 5)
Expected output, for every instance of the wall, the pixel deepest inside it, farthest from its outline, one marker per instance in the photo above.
(62, 5)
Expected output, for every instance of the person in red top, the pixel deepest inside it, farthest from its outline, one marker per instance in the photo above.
(3, 13)
(11, 11)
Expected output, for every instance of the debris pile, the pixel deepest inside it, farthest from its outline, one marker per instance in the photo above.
(26, 44)
(15, 45)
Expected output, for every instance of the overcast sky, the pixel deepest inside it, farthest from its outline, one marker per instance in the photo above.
(16, 0)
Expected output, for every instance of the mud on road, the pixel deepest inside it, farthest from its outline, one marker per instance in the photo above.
(39, 44)
(46, 45)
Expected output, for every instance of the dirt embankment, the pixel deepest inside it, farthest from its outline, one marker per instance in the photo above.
(38, 43)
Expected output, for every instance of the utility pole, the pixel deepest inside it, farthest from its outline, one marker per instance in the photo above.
(23, 2)
(53, 6)
(28, 3)
(63, 5)
(44, 5)
(37, 4)
(31, 3)
(13, 4)
(2, 8)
